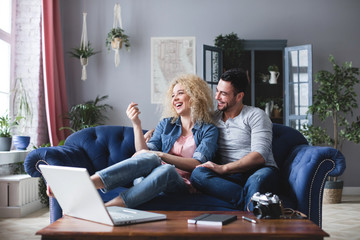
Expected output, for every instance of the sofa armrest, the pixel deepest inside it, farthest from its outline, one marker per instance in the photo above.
(60, 155)
(305, 171)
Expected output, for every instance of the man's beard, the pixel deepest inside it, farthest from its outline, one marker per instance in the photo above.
(226, 106)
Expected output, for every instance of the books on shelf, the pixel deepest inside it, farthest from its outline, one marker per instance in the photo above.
(213, 219)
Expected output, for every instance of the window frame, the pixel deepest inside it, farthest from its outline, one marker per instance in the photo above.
(10, 38)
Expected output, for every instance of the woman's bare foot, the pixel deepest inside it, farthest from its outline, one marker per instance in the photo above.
(97, 181)
(118, 201)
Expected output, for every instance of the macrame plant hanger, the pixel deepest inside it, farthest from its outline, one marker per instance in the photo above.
(117, 42)
(84, 43)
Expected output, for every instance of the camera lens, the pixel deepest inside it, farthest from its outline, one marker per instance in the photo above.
(260, 211)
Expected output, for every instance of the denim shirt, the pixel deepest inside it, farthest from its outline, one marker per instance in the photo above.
(166, 134)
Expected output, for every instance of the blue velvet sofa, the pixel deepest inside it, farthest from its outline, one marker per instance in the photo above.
(303, 168)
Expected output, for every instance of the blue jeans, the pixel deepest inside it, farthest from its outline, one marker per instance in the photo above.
(157, 178)
(237, 188)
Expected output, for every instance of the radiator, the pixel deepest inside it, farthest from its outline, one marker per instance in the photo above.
(19, 195)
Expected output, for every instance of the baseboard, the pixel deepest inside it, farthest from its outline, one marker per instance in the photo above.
(17, 212)
(351, 191)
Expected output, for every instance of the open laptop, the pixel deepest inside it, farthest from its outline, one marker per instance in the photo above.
(78, 197)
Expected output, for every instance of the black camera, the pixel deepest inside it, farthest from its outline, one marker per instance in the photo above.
(267, 205)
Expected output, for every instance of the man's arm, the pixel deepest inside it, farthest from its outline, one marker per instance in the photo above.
(248, 162)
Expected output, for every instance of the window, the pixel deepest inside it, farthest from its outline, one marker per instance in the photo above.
(298, 85)
(6, 41)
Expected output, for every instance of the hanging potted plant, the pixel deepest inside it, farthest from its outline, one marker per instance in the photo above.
(23, 113)
(83, 53)
(85, 50)
(336, 99)
(116, 38)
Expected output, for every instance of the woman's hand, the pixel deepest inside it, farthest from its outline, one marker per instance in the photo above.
(133, 112)
(48, 191)
(140, 152)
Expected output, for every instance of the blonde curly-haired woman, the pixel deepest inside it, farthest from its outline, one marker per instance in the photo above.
(183, 139)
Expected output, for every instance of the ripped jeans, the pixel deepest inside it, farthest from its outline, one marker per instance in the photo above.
(157, 178)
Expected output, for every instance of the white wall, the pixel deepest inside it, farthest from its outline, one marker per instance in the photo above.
(27, 67)
(331, 26)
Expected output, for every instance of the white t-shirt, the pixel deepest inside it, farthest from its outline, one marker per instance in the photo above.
(250, 131)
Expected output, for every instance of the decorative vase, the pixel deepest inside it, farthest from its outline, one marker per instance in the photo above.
(84, 63)
(21, 142)
(269, 108)
(276, 113)
(5, 143)
(116, 43)
(333, 191)
(273, 77)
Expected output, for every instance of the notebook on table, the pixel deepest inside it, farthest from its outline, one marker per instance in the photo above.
(78, 197)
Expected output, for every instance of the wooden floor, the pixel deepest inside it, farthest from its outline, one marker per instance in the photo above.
(341, 221)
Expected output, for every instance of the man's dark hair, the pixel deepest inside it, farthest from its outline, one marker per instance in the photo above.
(238, 79)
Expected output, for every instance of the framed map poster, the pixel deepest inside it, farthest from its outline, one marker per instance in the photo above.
(170, 57)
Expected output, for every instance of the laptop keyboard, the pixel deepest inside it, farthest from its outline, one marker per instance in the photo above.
(119, 216)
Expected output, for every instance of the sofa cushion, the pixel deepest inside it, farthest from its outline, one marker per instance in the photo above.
(284, 140)
(105, 145)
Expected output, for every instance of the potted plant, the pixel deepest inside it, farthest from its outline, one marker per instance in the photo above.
(335, 99)
(232, 47)
(116, 38)
(278, 106)
(264, 78)
(87, 114)
(83, 52)
(23, 113)
(6, 123)
(273, 68)
(274, 73)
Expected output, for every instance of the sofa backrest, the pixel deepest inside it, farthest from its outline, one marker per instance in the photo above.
(104, 145)
(285, 139)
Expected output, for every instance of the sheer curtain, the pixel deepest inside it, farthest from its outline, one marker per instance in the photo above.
(54, 73)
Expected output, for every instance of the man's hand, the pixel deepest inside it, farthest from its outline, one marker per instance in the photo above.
(219, 169)
(148, 134)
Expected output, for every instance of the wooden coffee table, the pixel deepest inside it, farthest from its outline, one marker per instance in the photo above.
(176, 228)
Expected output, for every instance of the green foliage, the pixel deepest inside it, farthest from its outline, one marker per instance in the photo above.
(232, 47)
(273, 68)
(82, 51)
(19, 168)
(43, 145)
(335, 99)
(6, 123)
(117, 33)
(22, 106)
(317, 135)
(88, 114)
(44, 199)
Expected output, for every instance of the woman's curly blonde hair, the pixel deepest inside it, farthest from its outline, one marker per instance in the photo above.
(201, 102)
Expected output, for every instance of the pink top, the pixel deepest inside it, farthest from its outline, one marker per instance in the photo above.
(184, 147)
